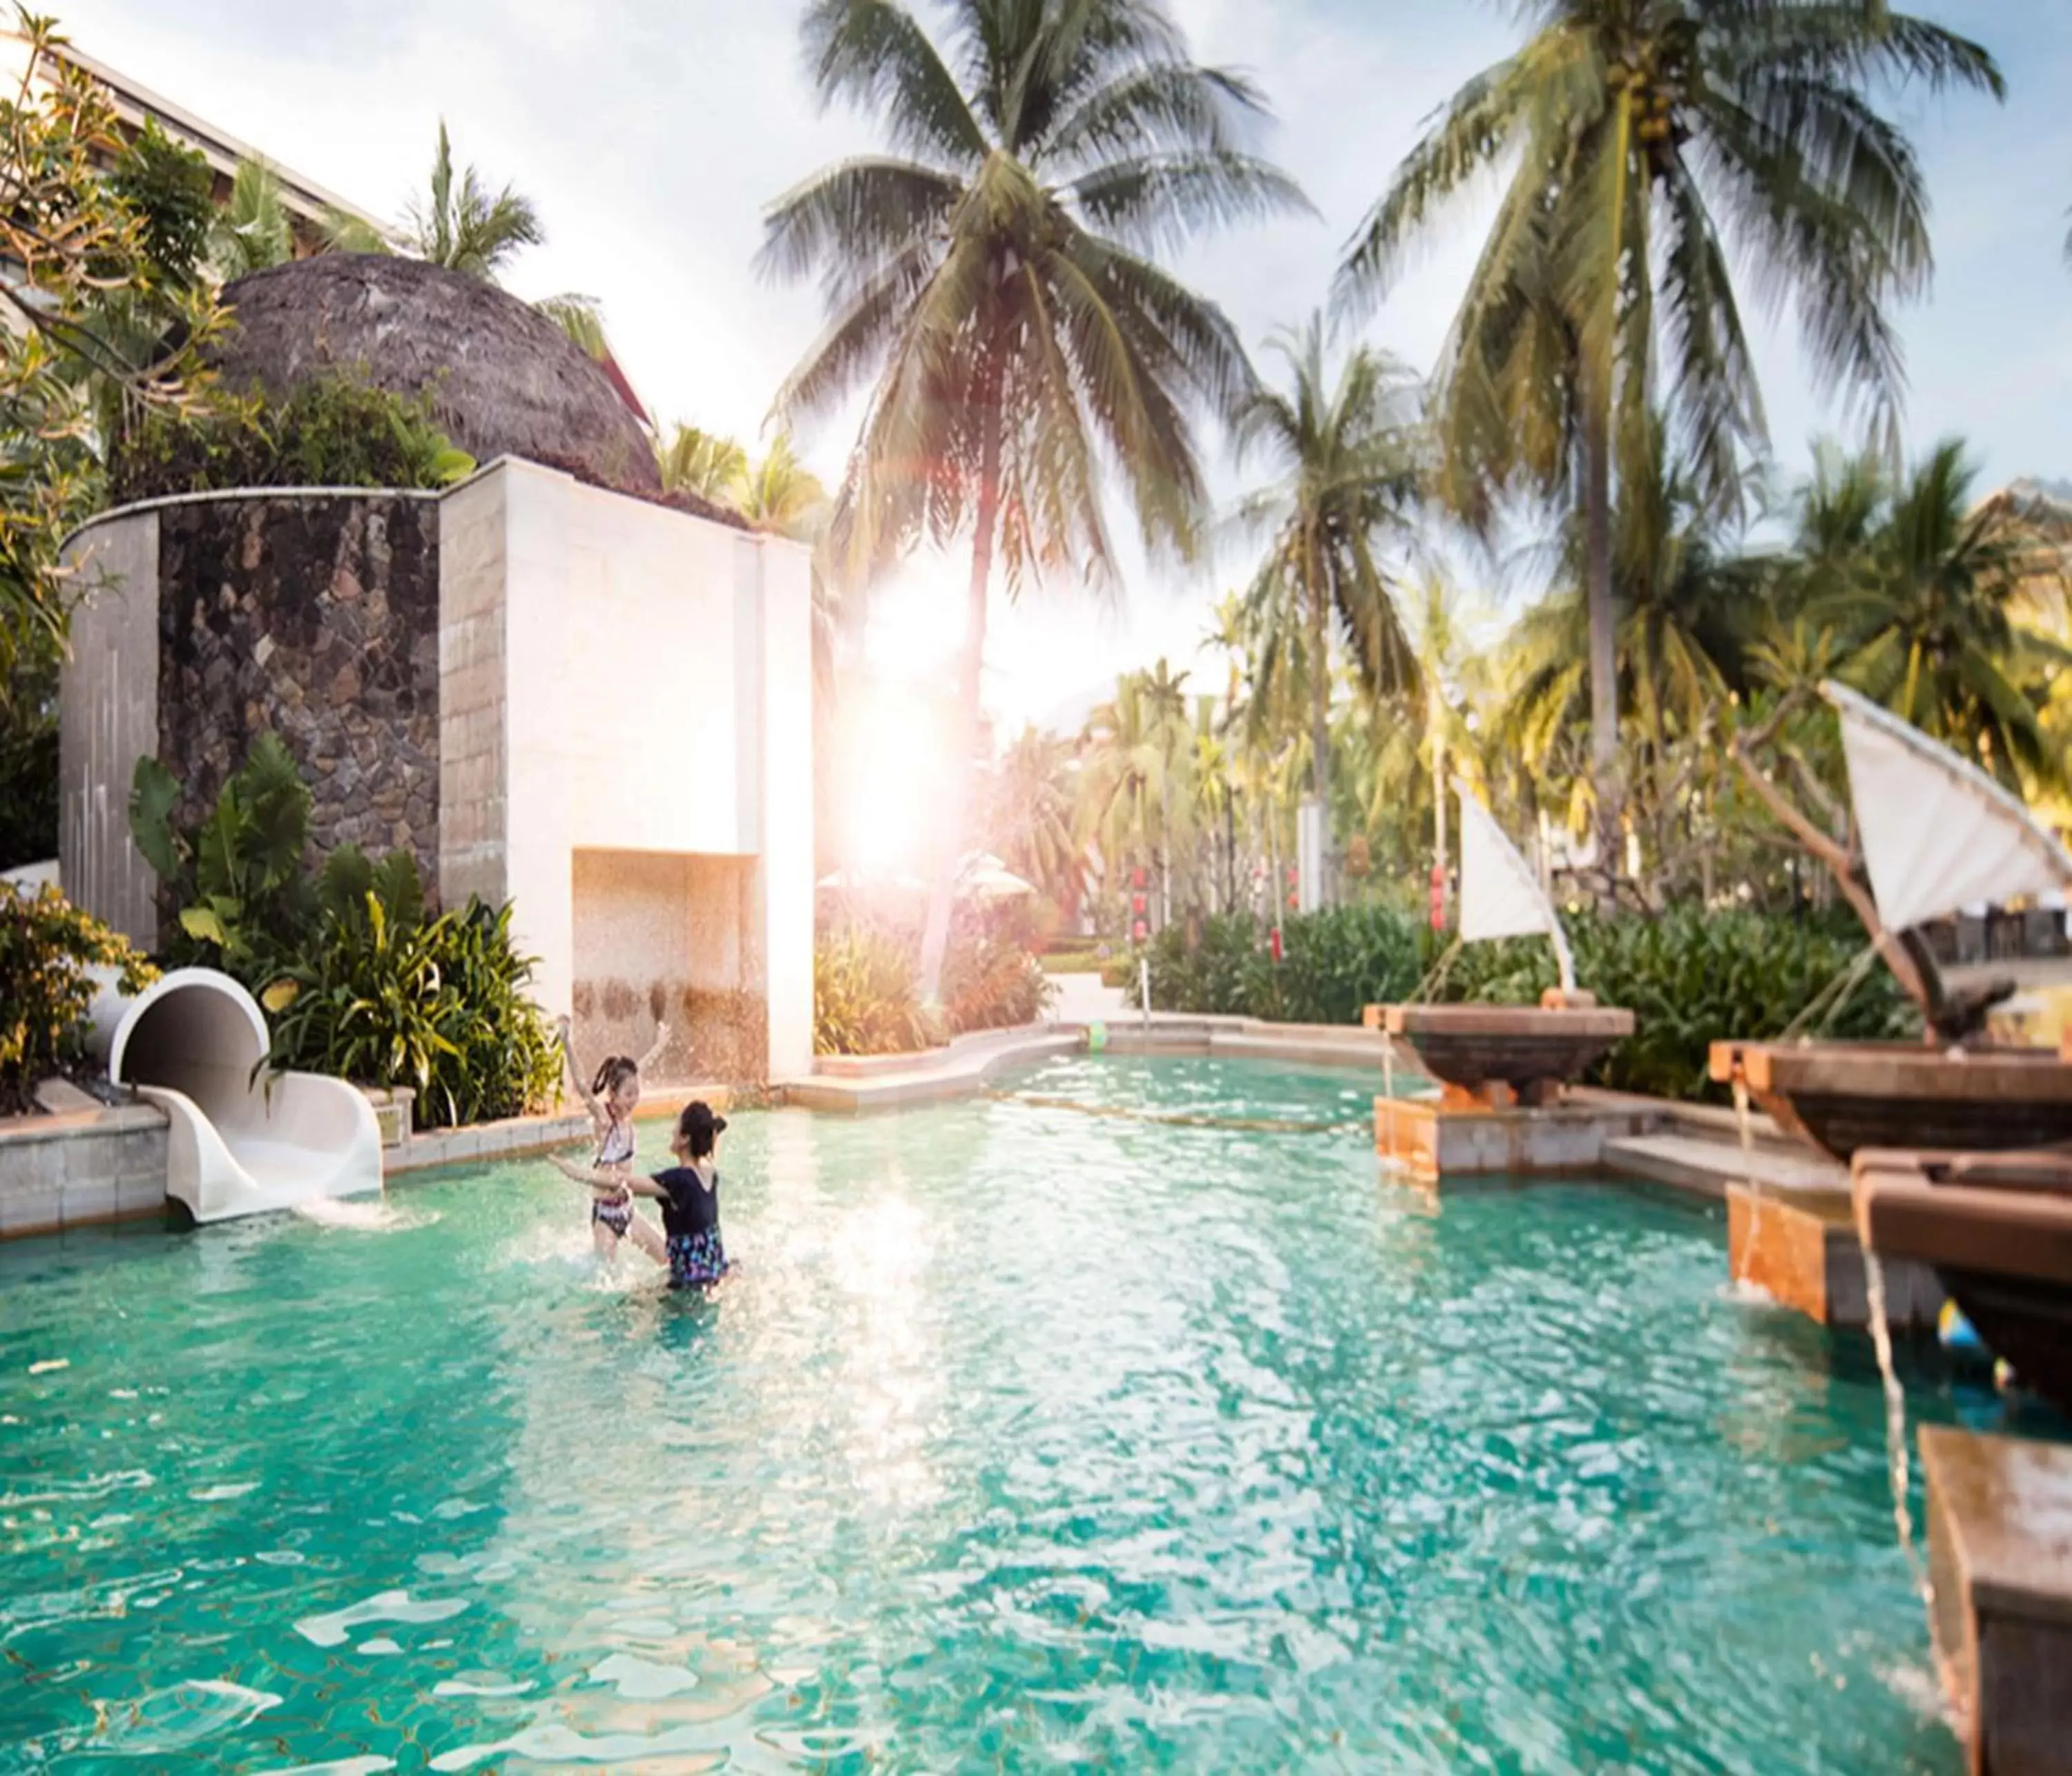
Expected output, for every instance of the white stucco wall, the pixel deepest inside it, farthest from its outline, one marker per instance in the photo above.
(619, 677)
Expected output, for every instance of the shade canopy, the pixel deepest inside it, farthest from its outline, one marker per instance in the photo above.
(1500, 894)
(1937, 833)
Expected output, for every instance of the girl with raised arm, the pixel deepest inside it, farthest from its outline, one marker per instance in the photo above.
(611, 1098)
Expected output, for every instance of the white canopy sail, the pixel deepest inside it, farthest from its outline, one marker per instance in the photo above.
(1500, 895)
(1937, 833)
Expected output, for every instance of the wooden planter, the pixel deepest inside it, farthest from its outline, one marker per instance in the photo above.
(1527, 1050)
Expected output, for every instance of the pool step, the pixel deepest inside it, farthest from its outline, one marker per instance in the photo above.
(1708, 1166)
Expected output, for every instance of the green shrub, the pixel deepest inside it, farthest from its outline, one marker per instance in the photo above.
(1056, 962)
(865, 996)
(361, 983)
(866, 991)
(993, 983)
(1690, 976)
(47, 945)
(388, 997)
(331, 431)
(245, 905)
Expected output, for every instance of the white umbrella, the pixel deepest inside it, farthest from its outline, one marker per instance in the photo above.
(844, 882)
(986, 878)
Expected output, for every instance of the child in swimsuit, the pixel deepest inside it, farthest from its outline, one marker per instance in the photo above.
(611, 1098)
(688, 1193)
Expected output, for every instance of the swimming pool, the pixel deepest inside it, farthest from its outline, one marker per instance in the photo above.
(1030, 1436)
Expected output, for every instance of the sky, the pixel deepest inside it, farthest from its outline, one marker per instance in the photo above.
(652, 132)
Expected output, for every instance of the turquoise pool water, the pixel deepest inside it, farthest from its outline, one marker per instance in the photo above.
(1029, 1438)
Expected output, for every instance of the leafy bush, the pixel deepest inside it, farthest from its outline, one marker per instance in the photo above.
(246, 904)
(866, 993)
(331, 431)
(363, 983)
(28, 782)
(1689, 976)
(47, 945)
(386, 996)
(993, 983)
(865, 998)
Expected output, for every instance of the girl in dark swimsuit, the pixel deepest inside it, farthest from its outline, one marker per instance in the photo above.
(611, 1098)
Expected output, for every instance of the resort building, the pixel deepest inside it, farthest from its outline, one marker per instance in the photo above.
(551, 685)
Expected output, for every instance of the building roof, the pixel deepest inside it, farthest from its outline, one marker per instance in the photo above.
(501, 378)
(134, 103)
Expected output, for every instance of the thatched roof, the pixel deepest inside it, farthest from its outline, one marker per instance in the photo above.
(502, 378)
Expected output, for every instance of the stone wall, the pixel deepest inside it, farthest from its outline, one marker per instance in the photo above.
(317, 616)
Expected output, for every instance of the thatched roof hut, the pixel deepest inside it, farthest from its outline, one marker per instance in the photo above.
(501, 378)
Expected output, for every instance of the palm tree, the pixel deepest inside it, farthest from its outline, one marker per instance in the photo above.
(703, 463)
(463, 227)
(1031, 823)
(252, 231)
(1349, 457)
(1636, 129)
(1925, 606)
(1136, 746)
(992, 276)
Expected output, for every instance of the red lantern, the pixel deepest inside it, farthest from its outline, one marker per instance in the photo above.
(1138, 903)
(1136, 878)
(1294, 903)
(1138, 932)
(1438, 897)
(1275, 942)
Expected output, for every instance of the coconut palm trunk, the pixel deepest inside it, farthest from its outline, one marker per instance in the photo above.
(942, 894)
(1604, 664)
(1320, 726)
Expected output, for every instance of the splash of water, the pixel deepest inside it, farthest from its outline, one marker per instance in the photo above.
(378, 1216)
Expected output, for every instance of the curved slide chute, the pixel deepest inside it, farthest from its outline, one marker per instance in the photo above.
(242, 1141)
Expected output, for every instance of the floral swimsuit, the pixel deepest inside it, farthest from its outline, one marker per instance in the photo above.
(616, 1148)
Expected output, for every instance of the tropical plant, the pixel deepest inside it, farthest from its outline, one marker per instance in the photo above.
(990, 274)
(330, 430)
(1634, 132)
(1136, 751)
(253, 230)
(993, 983)
(863, 996)
(241, 899)
(460, 225)
(84, 260)
(1924, 590)
(1347, 454)
(1032, 816)
(702, 463)
(46, 946)
(385, 996)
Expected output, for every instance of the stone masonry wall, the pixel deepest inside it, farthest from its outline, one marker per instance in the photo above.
(316, 616)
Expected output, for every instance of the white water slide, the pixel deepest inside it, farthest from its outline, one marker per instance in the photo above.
(242, 1141)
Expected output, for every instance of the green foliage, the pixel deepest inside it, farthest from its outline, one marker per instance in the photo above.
(361, 983)
(171, 190)
(866, 999)
(386, 996)
(993, 983)
(244, 903)
(331, 431)
(80, 269)
(1689, 976)
(29, 763)
(46, 946)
